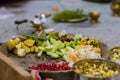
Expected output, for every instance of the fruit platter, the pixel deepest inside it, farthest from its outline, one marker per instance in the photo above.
(51, 54)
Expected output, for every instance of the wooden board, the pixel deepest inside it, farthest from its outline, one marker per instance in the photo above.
(11, 71)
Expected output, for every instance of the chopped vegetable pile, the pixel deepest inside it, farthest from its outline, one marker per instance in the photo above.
(69, 47)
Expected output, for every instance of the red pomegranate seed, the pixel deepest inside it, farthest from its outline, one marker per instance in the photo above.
(52, 66)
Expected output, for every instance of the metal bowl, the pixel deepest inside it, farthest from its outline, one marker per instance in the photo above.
(111, 57)
(58, 75)
(98, 62)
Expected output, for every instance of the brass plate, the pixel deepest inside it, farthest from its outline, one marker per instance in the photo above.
(73, 20)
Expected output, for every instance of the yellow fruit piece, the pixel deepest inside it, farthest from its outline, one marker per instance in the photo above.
(19, 45)
(11, 44)
(17, 40)
(21, 52)
(27, 49)
(29, 42)
(72, 56)
(34, 49)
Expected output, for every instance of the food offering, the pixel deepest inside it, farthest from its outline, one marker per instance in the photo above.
(115, 54)
(96, 68)
(52, 52)
(70, 16)
(68, 47)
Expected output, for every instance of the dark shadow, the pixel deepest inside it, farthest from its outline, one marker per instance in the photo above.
(13, 3)
(1, 44)
(99, 1)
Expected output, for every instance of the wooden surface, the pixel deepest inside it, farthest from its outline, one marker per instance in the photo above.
(11, 71)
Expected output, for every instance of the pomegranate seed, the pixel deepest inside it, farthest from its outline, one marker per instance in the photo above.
(52, 66)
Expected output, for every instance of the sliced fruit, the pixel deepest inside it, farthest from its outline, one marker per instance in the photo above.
(72, 56)
(29, 42)
(11, 44)
(21, 52)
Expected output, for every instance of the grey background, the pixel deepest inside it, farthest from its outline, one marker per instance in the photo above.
(107, 30)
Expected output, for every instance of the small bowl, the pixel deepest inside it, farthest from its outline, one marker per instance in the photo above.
(58, 75)
(111, 55)
(94, 16)
(115, 7)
